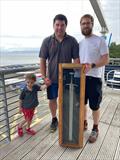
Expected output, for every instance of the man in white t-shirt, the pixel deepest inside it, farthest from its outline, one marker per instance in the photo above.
(93, 52)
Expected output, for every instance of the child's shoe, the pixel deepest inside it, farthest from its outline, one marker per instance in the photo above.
(20, 131)
(30, 131)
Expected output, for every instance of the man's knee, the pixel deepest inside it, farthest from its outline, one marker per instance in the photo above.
(53, 102)
(94, 108)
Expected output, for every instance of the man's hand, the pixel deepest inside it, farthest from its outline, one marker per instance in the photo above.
(77, 60)
(47, 82)
(87, 67)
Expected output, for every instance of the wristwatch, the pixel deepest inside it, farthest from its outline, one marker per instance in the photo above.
(93, 65)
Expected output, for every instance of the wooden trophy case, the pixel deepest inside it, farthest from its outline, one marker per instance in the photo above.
(71, 104)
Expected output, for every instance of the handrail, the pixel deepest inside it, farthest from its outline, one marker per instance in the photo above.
(8, 69)
(9, 96)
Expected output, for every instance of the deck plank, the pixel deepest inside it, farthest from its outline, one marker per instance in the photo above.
(13, 150)
(72, 153)
(109, 113)
(108, 148)
(116, 118)
(91, 150)
(45, 146)
(39, 150)
(25, 148)
(104, 104)
(117, 154)
(54, 153)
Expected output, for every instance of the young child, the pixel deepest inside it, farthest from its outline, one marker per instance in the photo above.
(28, 103)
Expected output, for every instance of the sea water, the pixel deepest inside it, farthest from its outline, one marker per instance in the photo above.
(19, 57)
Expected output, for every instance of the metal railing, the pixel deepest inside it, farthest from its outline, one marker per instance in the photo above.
(115, 61)
(11, 81)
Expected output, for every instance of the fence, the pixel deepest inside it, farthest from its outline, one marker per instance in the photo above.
(11, 81)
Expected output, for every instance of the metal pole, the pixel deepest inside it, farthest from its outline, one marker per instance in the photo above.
(5, 107)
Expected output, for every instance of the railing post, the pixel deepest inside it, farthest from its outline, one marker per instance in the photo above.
(5, 106)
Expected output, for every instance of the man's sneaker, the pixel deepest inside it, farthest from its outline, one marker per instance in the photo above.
(93, 136)
(20, 131)
(30, 131)
(85, 125)
(54, 124)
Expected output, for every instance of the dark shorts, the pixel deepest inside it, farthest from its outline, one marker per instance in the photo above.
(93, 92)
(28, 113)
(52, 91)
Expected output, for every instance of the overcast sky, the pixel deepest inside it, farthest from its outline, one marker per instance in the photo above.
(34, 18)
(111, 10)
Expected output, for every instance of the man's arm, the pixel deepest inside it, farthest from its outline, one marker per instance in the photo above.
(43, 67)
(103, 61)
(43, 72)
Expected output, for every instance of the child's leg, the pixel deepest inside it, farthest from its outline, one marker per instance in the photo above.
(24, 121)
(29, 130)
(20, 129)
(29, 117)
(20, 125)
(29, 121)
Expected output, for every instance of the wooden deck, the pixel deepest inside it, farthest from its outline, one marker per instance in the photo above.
(44, 145)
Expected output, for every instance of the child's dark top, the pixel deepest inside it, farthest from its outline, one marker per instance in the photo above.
(30, 98)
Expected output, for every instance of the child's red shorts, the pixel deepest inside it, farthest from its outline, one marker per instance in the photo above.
(28, 113)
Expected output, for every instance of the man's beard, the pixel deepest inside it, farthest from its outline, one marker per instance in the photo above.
(87, 32)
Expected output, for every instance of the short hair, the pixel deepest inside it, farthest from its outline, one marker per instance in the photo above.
(87, 16)
(30, 76)
(60, 17)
